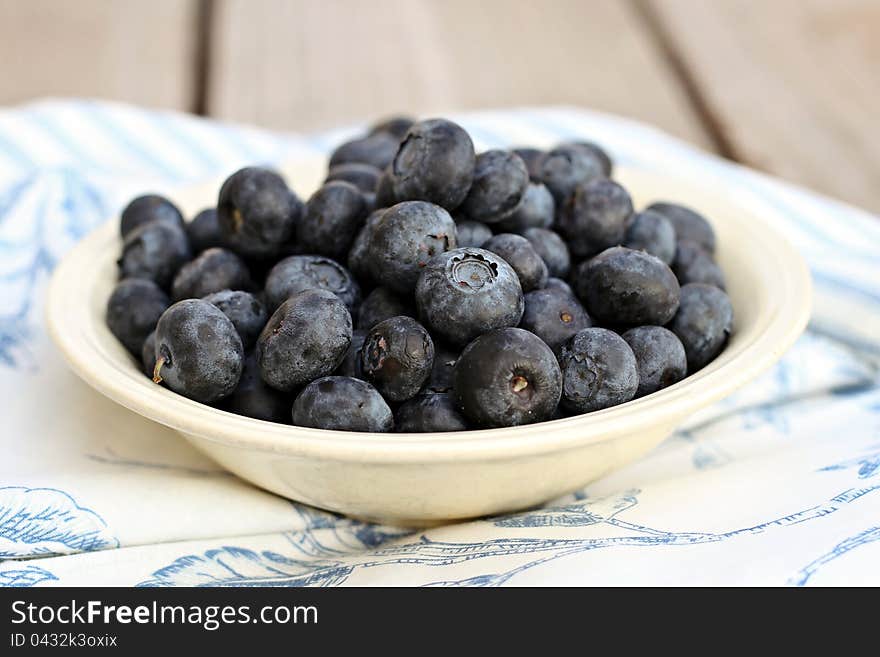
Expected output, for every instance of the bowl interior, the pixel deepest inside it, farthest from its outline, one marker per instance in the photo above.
(768, 284)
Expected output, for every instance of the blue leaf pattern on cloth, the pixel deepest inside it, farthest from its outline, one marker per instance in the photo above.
(44, 521)
(16, 575)
(320, 564)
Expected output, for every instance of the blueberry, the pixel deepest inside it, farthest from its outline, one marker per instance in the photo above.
(693, 264)
(519, 253)
(257, 212)
(332, 218)
(599, 370)
(499, 184)
(554, 316)
(376, 150)
(397, 357)
(133, 309)
(558, 284)
(213, 270)
(147, 208)
(244, 310)
(507, 377)
(363, 176)
(204, 231)
(471, 233)
(385, 190)
(435, 163)
(532, 159)
(703, 323)
(369, 202)
(308, 272)
(659, 355)
(341, 403)
(382, 304)
(358, 258)
(599, 153)
(625, 287)
(306, 338)
(652, 232)
(465, 292)
(351, 362)
(552, 249)
(154, 251)
(445, 357)
(688, 224)
(394, 125)
(253, 398)
(198, 352)
(536, 210)
(594, 218)
(148, 354)
(404, 239)
(428, 413)
(564, 168)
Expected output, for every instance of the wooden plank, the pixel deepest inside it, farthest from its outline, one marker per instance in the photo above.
(793, 85)
(140, 52)
(300, 64)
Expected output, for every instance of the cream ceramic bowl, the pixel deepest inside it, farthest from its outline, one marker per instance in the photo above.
(422, 479)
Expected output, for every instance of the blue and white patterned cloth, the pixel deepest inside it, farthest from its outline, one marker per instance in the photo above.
(777, 485)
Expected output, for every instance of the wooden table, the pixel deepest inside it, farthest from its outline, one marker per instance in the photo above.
(788, 86)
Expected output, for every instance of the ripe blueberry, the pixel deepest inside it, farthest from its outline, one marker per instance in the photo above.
(341, 403)
(147, 208)
(435, 163)
(253, 398)
(363, 176)
(133, 309)
(306, 338)
(465, 292)
(599, 370)
(429, 412)
(564, 168)
(703, 323)
(404, 238)
(397, 357)
(688, 224)
(536, 210)
(382, 304)
(198, 351)
(155, 251)
(506, 378)
(211, 271)
(376, 150)
(332, 218)
(204, 231)
(307, 272)
(257, 212)
(594, 217)
(651, 232)
(519, 253)
(499, 183)
(554, 316)
(552, 249)
(693, 264)
(625, 287)
(659, 355)
(471, 233)
(246, 312)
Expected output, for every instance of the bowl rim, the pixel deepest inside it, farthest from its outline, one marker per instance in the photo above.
(718, 379)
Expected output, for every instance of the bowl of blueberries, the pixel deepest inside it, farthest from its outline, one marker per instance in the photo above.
(435, 333)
